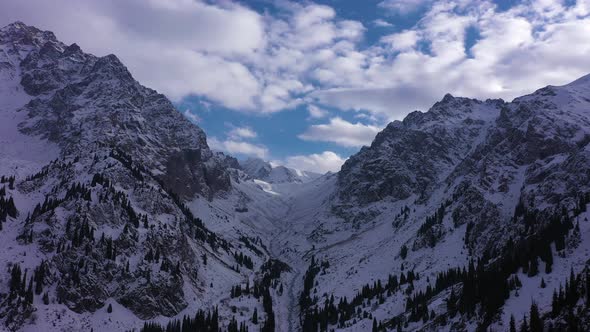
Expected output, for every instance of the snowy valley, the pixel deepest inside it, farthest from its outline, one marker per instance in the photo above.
(116, 215)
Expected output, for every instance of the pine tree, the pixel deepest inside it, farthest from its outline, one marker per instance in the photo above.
(403, 252)
(109, 253)
(533, 267)
(110, 308)
(15, 277)
(536, 323)
(555, 305)
(549, 260)
(233, 325)
(29, 294)
(512, 324)
(255, 316)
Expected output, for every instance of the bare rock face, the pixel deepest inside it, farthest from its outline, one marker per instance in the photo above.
(189, 172)
(412, 156)
(96, 101)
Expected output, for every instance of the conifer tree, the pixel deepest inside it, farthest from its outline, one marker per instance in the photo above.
(403, 252)
(536, 323)
(255, 316)
(29, 294)
(533, 267)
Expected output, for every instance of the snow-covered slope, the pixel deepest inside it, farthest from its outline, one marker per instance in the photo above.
(501, 184)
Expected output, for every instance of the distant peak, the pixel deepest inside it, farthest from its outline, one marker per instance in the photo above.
(448, 97)
(19, 26)
(28, 34)
(15, 25)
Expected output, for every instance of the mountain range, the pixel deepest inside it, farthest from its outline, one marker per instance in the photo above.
(116, 215)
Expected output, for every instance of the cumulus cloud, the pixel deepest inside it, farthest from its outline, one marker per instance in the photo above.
(401, 41)
(316, 112)
(382, 23)
(401, 7)
(239, 141)
(394, 103)
(242, 132)
(515, 52)
(326, 161)
(238, 147)
(341, 132)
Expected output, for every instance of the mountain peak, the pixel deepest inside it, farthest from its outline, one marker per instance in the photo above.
(18, 32)
(263, 170)
(16, 25)
(448, 97)
(256, 167)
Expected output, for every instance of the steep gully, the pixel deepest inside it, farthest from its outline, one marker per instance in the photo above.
(293, 212)
(287, 243)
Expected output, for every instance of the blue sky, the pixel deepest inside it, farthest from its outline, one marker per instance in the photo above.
(307, 83)
(279, 132)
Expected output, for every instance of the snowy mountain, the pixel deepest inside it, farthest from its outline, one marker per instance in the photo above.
(265, 171)
(106, 199)
(482, 203)
(115, 215)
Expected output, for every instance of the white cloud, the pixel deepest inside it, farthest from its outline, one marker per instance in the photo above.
(382, 23)
(341, 132)
(238, 147)
(179, 47)
(231, 84)
(516, 51)
(305, 53)
(316, 112)
(393, 103)
(326, 161)
(191, 116)
(242, 132)
(401, 41)
(402, 7)
(189, 24)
